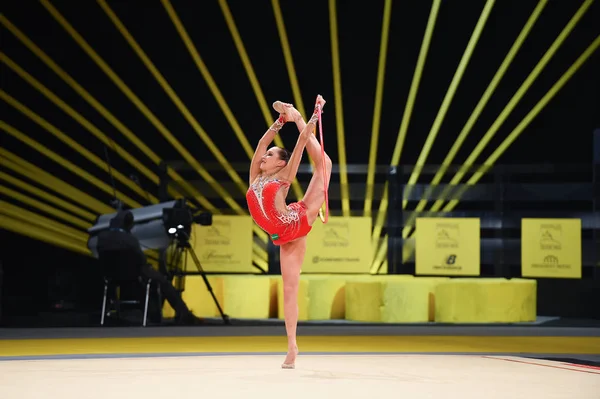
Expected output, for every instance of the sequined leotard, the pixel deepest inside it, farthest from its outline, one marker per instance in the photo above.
(282, 227)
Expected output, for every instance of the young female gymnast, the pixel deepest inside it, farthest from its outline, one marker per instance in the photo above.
(271, 172)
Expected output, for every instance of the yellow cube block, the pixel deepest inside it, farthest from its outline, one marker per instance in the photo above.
(524, 299)
(391, 299)
(240, 296)
(497, 300)
(366, 296)
(326, 297)
(409, 301)
(363, 301)
(198, 298)
(246, 296)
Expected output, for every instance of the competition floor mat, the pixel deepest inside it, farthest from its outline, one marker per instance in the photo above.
(315, 376)
(233, 362)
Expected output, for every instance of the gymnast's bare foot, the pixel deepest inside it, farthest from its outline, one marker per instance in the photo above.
(280, 106)
(290, 114)
(290, 359)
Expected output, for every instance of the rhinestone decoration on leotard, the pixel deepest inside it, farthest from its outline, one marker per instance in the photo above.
(257, 187)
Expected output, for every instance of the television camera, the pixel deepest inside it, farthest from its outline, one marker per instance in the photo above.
(160, 227)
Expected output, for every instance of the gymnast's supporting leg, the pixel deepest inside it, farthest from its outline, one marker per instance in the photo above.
(291, 258)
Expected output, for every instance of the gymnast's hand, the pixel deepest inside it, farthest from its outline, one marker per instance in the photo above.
(320, 102)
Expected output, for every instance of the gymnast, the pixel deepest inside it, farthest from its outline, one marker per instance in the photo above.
(271, 172)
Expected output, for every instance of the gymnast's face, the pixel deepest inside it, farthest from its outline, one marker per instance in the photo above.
(271, 160)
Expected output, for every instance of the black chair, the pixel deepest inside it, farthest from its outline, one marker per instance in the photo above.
(120, 268)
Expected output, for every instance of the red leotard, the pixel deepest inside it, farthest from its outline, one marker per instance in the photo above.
(282, 227)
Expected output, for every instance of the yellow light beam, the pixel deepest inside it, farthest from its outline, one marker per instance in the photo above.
(262, 102)
(239, 44)
(40, 176)
(48, 197)
(67, 164)
(462, 66)
(287, 55)
(17, 212)
(412, 94)
(380, 257)
(339, 112)
(105, 113)
(289, 62)
(23, 227)
(380, 220)
(34, 173)
(414, 86)
(385, 29)
(260, 251)
(479, 108)
(99, 162)
(55, 227)
(80, 119)
(189, 44)
(168, 89)
(522, 125)
(526, 121)
(514, 100)
(45, 207)
(261, 261)
(145, 111)
(157, 124)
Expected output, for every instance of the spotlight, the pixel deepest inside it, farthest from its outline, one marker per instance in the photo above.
(178, 221)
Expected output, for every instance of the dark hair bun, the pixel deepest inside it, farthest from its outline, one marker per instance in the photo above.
(284, 154)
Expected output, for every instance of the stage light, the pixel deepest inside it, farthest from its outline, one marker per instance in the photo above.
(155, 226)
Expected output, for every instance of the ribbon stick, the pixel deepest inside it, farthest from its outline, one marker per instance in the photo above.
(324, 217)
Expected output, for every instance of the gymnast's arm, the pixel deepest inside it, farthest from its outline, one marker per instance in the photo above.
(299, 120)
(261, 148)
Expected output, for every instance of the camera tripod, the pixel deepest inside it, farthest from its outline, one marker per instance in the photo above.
(181, 248)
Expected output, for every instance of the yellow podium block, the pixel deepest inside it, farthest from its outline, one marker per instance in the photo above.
(363, 301)
(391, 299)
(198, 298)
(326, 297)
(409, 301)
(463, 300)
(244, 297)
